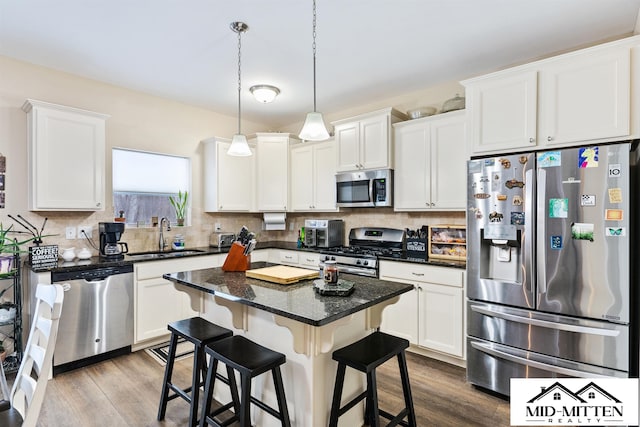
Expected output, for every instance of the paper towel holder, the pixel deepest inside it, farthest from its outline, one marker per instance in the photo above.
(274, 221)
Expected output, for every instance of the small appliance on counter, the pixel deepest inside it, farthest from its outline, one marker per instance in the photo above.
(111, 248)
(221, 239)
(323, 233)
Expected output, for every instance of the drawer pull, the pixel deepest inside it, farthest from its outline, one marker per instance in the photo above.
(417, 274)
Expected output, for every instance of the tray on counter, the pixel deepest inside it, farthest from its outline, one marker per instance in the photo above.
(342, 289)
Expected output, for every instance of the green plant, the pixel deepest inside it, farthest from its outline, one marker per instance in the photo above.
(179, 203)
(8, 245)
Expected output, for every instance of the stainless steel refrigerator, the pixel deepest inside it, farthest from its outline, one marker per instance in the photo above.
(550, 282)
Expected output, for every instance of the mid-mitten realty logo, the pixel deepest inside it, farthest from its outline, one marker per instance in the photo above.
(574, 401)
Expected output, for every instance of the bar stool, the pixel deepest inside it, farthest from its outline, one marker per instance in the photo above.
(365, 356)
(200, 332)
(250, 360)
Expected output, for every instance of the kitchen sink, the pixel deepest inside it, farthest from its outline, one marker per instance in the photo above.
(163, 254)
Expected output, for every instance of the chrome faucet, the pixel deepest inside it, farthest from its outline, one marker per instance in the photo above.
(161, 242)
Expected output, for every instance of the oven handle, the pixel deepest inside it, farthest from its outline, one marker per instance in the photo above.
(486, 348)
(546, 323)
(370, 272)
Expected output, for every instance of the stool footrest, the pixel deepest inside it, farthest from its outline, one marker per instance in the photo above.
(265, 407)
(352, 403)
(395, 420)
(219, 411)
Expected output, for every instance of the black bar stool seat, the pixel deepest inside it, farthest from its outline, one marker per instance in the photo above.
(200, 332)
(365, 356)
(250, 360)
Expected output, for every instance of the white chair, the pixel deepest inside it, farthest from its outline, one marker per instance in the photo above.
(27, 393)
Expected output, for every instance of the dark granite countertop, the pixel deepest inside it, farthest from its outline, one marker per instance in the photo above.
(298, 301)
(96, 262)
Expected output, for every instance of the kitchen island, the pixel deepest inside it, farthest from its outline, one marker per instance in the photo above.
(294, 320)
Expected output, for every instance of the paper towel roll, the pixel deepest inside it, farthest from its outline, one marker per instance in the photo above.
(275, 221)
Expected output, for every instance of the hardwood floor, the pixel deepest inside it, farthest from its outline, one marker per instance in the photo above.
(124, 392)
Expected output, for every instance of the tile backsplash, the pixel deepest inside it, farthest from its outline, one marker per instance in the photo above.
(202, 225)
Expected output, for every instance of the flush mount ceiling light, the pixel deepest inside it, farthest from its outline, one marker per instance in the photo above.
(314, 128)
(264, 93)
(239, 145)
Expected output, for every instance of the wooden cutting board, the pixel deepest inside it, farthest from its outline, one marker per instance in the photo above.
(282, 274)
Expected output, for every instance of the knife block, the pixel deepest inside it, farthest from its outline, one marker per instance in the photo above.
(236, 259)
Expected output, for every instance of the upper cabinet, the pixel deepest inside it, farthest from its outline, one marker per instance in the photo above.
(272, 157)
(431, 163)
(229, 183)
(366, 141)
(586, 96)
(66, 158)
(313, 169)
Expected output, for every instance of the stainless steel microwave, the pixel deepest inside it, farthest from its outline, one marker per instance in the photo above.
(373, 188)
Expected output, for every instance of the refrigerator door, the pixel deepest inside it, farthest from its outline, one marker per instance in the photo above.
(583, 240)
(500, 224)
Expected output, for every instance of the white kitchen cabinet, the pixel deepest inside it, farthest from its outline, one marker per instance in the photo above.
(431, 316)
(313, 183)
(66, 158)
(272, 185)
(577, 98)
(229, 183)
(309, 260)
(431, 163)
(441, 318)
(283, 256)
(503, 112)
(585, 98)
(157, 301)
(366, 141)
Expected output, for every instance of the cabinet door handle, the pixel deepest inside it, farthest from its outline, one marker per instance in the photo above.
(98, 204)
(532, 140)
(549, 138)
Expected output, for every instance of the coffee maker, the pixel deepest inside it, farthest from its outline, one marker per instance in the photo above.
(110, 246)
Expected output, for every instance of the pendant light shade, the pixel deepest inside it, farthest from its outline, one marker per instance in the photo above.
(314, 128)
(239, 145)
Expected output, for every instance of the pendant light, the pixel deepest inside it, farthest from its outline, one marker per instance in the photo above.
(314, 128)
(239, 145)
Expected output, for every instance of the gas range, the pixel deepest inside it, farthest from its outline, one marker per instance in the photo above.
(366, 244)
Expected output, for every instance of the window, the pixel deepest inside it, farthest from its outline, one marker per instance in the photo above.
(143, 182)
(592, 395)
(556, 396)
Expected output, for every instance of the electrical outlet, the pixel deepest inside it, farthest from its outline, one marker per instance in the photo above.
(84, 231)
(70, 233)
(292, 226)
(218, 226)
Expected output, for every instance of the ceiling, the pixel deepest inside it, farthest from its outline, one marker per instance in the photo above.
(367, 50)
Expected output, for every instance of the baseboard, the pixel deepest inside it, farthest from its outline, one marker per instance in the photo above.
(438, 356)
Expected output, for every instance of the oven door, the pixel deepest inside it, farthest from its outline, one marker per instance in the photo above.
(353, 192)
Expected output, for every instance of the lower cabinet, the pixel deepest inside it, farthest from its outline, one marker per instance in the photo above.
(432, 315)
(296, 258)
(157, 302)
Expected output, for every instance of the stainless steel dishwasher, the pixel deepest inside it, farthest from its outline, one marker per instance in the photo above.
(97, 315)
